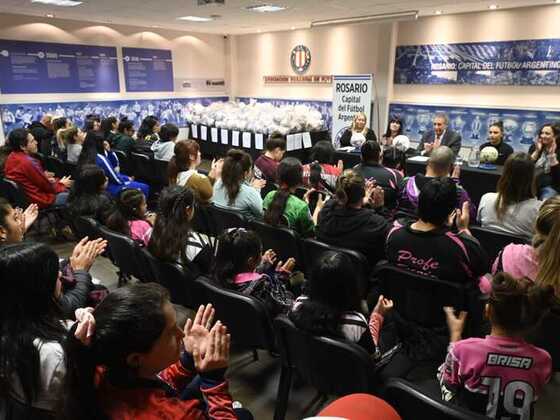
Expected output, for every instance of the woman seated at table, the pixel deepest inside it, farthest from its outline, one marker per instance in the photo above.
(321, 174)
(358, 132)
(496, 140)
(546, 155)
(97, 151)
(514, 208)
(394, 129)
(233, 191)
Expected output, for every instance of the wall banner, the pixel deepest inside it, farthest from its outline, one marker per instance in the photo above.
(147, 70)
(528, 62)
(351, 94)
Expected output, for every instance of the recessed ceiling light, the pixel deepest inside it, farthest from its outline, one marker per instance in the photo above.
(292, 28)
(556, 1)
(439, 12)
(493, 6)
(49, 15)
(196, 18)
(263, 8)
(63, 3)
(259, 31)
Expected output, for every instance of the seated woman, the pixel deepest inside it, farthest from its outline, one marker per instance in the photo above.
(40, 186)
(240, 265)
(109, 127)
(73, 139)
(58, 145)
(501, 375)
(496, 140)
(130, 217)
(540, 261)
(358, 132)
(123, 140)
(97, 151)
(428, 246)
(514, 208)
(172, 238)
(546, 156)
(88, 196)
(147, 134)
(283, 206)
(394, 129)
(125, 361)
(232, 191)
(347, 220)
(182, 170)
(321, 174)
(164, 146)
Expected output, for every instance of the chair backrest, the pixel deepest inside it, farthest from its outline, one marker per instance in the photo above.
(55, 165)
(225, 218)
(70, 169)
(123, 252)
(313, 249)
(285, 242)
(412, 404)
(160, 172)
(546, 337)
(143, 167)
(420, 298)
(125, 162)
(493, 241)
(246, 318)
(86, 226)
(13, 193)
(334, 367)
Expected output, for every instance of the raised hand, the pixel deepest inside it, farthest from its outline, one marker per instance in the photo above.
(86, 325)
(216, 355)
(198, 331)
(463, 217)
(258, 183)
(85, 253)
(456, 172)
(340, 165)
(286, 267)
(383, 305)
(30, 215)
(269, 257)
(456, 324)
(66, 181)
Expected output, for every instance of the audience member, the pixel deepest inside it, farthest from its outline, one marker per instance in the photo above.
(123, 138)
(321, 174)
(394, 129)
(441, 135)
(232, 190)
(546, 155)
(148, 134)
(58, 146)
(496, 140)
(92, 123)
(172, 238)
(163, 147)
(514, 208)
(371, 168)
(240, 265)
(130, 216)
(88, 196)
(500, 375)
(347, 221)
(43, 132)
(283, 207)
(267, 163)
(40, 187)
(394, 158)
(73, 139)
(358, 132)
(15, 222)
(109, 127)
(133, 335)
(429, 247)
(439, 165)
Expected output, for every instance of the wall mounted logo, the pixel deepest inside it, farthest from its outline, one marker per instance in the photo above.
(300, 59)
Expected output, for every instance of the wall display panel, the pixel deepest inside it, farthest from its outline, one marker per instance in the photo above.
(147, 70)
(42, 67)
(526, 62)
(167, 110)
(520, 126)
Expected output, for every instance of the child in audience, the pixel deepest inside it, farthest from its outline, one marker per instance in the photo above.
(232, 191)
(130, 216)
(267, 163)
(172, 238)
(123, 140)
(501, 375)
(88, 196)
(73, 138)
(125, 361)
(283, 206)
(240, 265)
(164, 146)
(321, 174)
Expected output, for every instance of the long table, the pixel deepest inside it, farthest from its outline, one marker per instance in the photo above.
(476, 181)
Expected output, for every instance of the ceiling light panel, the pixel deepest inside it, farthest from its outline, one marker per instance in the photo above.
(62, 3)
(266, 8)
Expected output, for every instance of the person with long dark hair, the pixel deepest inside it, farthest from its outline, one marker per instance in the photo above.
(321, 174)
(130, 216)
(546, 155)
(496, 140)
(232, 190)
(394, 129)
(109, 127)
(123, 138)
(88, 196)
(163, 147)
(514, 207)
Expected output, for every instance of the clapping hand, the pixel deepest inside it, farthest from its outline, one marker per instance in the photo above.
(258, 183)
(86, 325)
(197, 332)
(85, 253)
(456, 324)
(286, 267)
(30, 214)
(269, 257)
(66, 181)
(216, 353)
(428, 147)
(383, 305)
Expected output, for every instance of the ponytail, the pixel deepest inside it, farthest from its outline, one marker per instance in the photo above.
(235, 248)
(350, 188)
(290, 174)
(236, 165)
(273, 215)
(126, 210)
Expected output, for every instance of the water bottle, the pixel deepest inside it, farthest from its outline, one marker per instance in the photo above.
(474, 158)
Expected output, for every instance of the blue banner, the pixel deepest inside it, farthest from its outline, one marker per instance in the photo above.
(167, 110)
(148, 70)
(42, 67)
(521, 127)
(529, 62)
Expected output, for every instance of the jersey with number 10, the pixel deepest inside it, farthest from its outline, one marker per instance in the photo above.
(500, 377)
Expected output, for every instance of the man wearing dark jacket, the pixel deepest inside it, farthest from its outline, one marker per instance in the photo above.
(441, 135)
(43, 133)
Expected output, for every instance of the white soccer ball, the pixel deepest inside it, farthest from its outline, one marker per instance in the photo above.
(488, 155)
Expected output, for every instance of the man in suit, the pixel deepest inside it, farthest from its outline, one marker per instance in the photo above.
(441, 135)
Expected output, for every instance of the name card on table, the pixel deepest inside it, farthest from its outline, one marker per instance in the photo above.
(203, 132)
(246, 140)
(235, 138)
(307, 140)
(214, 133)
(224, 134)
(194, 129)
(259, 140)
(290, 142)
(298, 139)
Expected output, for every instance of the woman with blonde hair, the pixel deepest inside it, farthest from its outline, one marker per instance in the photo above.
(358, 133)
(539, 261)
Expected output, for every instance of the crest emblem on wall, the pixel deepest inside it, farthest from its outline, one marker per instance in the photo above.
(300, 59)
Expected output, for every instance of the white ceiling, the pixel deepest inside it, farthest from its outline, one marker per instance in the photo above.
(235, 20)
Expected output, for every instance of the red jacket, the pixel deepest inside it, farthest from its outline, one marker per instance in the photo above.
(28, 173)
(155, 400)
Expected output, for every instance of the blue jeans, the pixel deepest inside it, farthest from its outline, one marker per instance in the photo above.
(61, 199)
(547, 192)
